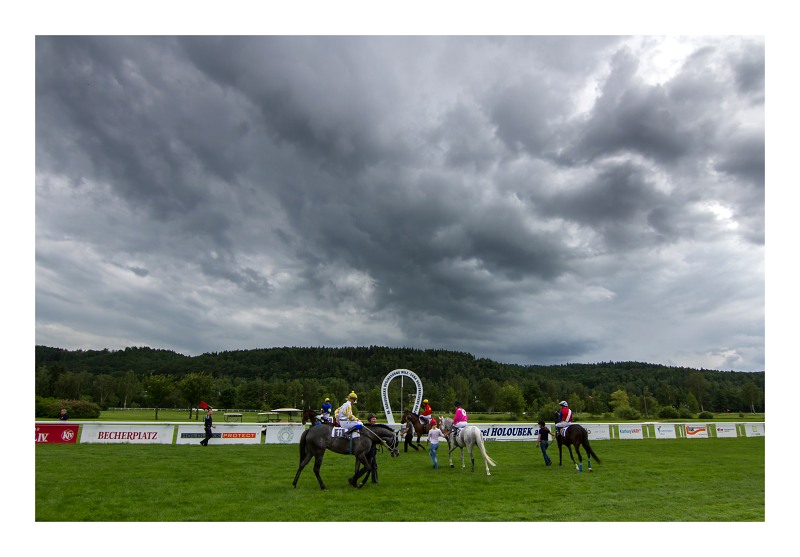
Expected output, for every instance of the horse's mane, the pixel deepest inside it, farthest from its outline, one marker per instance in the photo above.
(382, 426)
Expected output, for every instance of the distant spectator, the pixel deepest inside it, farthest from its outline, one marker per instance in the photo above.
(64, 415)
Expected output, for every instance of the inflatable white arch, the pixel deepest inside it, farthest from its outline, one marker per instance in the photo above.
(387, 408)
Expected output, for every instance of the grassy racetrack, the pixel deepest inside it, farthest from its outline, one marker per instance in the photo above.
(638, 480)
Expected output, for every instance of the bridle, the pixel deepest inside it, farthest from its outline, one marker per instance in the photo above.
(393, 450)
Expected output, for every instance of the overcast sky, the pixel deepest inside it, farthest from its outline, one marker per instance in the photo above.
(532, 200)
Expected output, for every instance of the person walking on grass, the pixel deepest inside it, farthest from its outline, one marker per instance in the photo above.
(542, 441)
(433, 442)
(208, 424)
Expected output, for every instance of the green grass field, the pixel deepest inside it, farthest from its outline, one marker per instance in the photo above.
(649, 480)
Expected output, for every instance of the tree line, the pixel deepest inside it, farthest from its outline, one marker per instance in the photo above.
(302, 377)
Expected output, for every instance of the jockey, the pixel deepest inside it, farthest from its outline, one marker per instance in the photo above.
(346, 418)
(327, 408)
(426, 414)
(460, 418)
(563, 416)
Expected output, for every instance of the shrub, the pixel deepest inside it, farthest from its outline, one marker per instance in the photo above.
(77, 409)
(627, 413)
(706, 415)
(668, 412)
(685, 413)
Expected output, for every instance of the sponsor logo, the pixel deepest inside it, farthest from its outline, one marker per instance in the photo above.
(128, 435)
(238, 435)
(56, 433)
(285, 435)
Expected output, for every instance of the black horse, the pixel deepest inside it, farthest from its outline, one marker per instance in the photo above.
(315, 440)
(575, 435)
(315, 418)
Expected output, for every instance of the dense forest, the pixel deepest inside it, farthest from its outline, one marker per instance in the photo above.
(303, 377)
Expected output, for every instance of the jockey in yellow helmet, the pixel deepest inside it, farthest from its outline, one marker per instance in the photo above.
(345, 415)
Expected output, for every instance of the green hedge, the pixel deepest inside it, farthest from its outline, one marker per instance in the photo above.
(77, 409)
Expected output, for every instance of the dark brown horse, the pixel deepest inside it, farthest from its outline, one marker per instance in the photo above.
(419, 428)
(310, 415)
(575, 435)
(317, 439)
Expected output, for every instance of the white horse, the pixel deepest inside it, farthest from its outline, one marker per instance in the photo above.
(468, 437)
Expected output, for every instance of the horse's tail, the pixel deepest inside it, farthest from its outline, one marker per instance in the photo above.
(588, 447)
(485, 456)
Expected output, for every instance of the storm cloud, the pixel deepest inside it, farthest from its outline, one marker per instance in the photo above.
(527, 199)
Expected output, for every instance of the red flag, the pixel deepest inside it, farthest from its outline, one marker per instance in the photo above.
(203, 405)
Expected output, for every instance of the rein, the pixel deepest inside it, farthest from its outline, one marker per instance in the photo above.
(378, 437)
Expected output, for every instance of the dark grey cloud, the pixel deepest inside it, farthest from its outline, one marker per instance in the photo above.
(530, 199)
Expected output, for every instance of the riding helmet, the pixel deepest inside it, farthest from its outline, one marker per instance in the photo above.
(371, 415)
(433, 421)
(425, 401)
(352, 395)
(457, 404)
(564, 404)
(327, 399)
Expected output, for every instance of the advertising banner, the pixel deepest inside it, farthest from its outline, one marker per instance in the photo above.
(156, 434)
(598, 432)
(509, 432)
(697, 431)
(726, 430)
(631, 431)
(283, 434)
(665, 431)
(56, 433)
(221, 434)
(752, 429)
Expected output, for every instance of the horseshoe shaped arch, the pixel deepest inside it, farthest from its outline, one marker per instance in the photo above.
(387, 408)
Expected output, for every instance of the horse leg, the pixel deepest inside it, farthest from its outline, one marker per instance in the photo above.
(589, 452)
(366, 468)
(317, 466)
(580, 458)
(571, 456)
(560, 448)
(303, 463)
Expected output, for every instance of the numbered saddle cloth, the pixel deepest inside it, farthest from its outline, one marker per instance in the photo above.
(343, 433)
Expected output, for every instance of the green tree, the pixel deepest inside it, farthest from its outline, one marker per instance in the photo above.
(752, 396)
(194, 388)
(127, 386)
(104, 387)
(488, 390)
(691, 402)
(698, 386)
(43, 381)
(619, 398)
(647, 403)
(510, 399)
(158, 388)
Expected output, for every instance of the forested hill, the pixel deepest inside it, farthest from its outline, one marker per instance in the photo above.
(445, 374)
